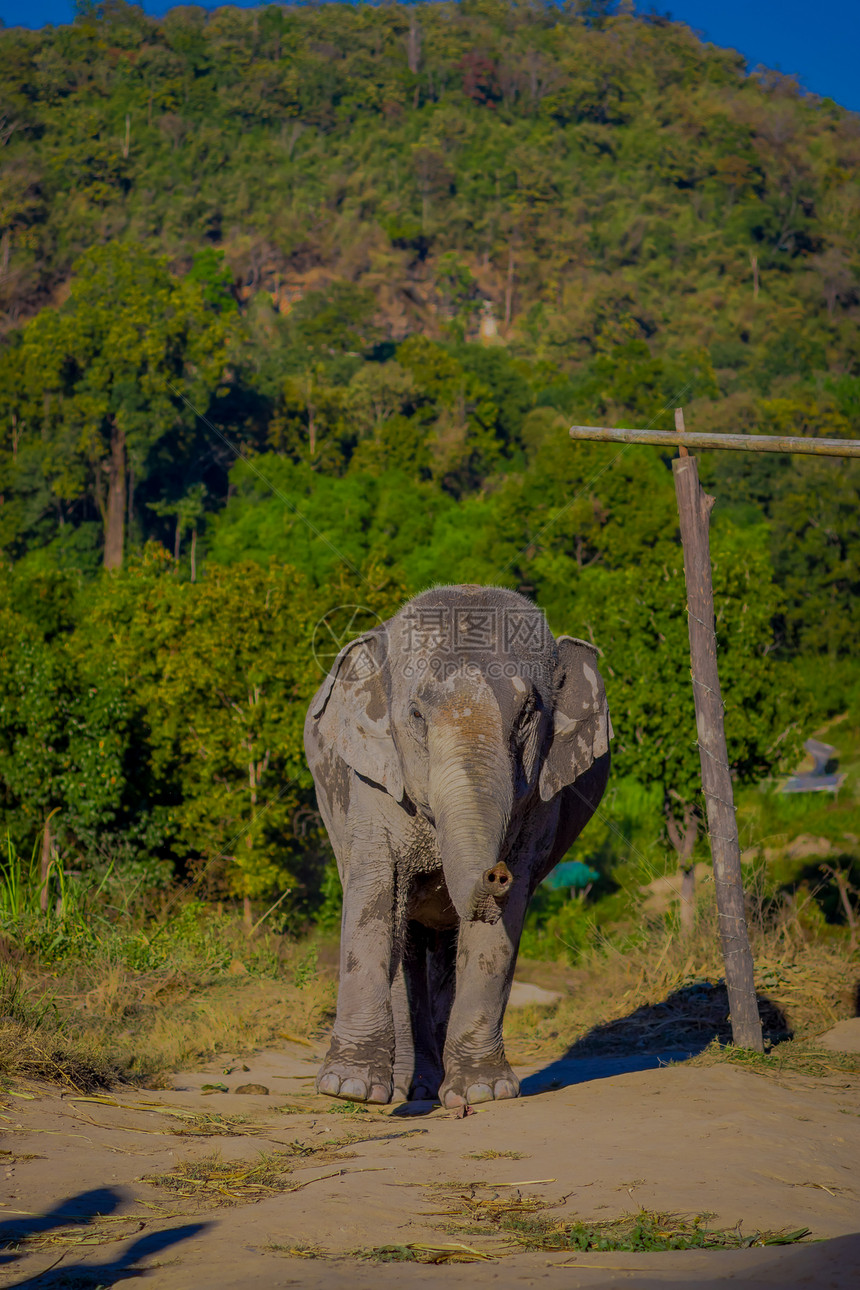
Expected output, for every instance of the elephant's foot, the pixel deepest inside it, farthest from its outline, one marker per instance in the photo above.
(421, 1084)
(356, 1079)
(471, 1082)
(415, 1093)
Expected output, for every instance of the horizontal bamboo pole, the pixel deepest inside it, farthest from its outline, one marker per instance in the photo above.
(703, 439)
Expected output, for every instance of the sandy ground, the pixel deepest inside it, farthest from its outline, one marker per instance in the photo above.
(605, 1134)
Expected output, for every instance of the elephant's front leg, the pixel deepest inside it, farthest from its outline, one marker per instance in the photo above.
(476, 1069)
(360, 1061)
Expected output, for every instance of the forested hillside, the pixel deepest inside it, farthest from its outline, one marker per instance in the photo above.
(297, 305)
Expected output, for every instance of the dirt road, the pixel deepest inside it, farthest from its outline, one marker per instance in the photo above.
(598, 1137)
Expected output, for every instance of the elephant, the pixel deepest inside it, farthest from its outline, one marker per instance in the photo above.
(457, 750)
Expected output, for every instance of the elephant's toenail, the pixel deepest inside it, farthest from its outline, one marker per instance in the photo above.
(505, 1088)
(479, 1093)
(355, 1090)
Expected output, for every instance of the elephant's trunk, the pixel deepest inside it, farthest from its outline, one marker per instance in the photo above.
(471, 793)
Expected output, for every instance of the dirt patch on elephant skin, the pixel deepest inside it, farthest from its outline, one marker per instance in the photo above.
(194, 1186)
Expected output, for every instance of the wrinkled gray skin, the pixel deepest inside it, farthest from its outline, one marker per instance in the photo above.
(450, 780)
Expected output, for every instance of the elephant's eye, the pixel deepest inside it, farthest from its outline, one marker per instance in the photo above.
(416, 715)
(525, 717)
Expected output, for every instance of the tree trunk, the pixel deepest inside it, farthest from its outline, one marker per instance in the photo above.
(688, 902)
(683, 839)
(413, 46)
(45, 866)
(694, 509)
(312, 425)
(116, 501)
(194, 554)
(509, 286)
(130, 509)
(843, 886)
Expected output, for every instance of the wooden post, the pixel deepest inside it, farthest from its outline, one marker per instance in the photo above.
(720, 441)
(687, 910)
(694, 509)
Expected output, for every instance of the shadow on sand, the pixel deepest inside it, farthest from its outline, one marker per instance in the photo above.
(86, 1208)
(679, 1027)
(834, 1264)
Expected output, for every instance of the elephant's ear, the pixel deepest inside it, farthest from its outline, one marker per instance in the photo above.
(350, 715)
(581, 725)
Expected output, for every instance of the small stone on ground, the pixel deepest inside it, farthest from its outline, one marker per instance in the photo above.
(522, 994)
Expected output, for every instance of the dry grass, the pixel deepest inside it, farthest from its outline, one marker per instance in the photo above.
(424, 1252)
(194, 1125)
(166, 1021)
(97, 1019)
(297, 1251)
(39, 1053)
(495, 1155)
(521, 1223)
(665, 994)
(491, 1224)
(190, 1124)
(92, 1024)
(796, 1057)
(213, 1179)
(84, 1233)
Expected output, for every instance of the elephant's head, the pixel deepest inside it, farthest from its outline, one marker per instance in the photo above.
(466, 726)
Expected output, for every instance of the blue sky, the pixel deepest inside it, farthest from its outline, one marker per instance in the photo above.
(818, 43)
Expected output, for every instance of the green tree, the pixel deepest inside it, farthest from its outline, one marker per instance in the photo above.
(64, 732)
(219, 673)
(638, 619)
(815, 543)
(105, 378)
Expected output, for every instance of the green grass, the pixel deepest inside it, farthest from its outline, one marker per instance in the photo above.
(523, 1223)
(798, 1057)
(122, 976)
(125, 976)
(520, 1226)
(123, 979)
(643, 1231)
